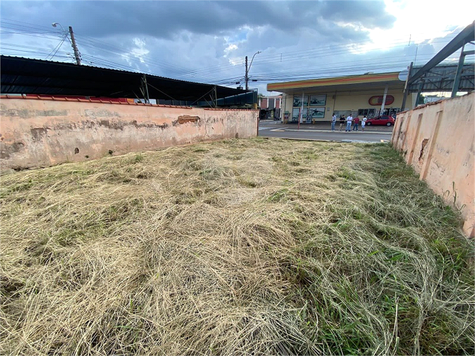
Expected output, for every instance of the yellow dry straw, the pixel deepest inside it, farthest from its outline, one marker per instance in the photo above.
(234, 247)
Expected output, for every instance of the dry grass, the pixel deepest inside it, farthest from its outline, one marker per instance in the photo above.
(236, 247)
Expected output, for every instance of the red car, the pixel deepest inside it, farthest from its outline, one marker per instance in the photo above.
(380, 120)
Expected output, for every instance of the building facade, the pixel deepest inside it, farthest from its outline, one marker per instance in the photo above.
(270, 107)
(318, 99)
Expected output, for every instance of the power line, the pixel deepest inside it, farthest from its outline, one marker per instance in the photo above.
(55, 50)
(314, 62)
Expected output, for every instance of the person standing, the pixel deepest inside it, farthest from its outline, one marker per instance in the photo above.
(333, 121)
(356, 121)
(363, 123)
(349, 120)
(342, 122)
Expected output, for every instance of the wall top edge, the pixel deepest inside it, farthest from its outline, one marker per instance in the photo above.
(221, 109)
(97, 101)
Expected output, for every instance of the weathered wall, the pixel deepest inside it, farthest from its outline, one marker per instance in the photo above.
(438, 141)
(38, 133)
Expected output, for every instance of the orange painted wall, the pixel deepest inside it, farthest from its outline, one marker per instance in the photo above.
(438, 141)
(41, 132)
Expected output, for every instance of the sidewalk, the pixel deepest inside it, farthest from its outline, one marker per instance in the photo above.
(322, 126)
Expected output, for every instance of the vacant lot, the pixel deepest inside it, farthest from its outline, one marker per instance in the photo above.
(241, 246)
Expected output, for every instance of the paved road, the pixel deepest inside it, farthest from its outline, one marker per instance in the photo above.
(322, 132)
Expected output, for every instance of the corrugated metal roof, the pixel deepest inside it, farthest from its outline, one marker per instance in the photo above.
(441, 78)
(32, 76)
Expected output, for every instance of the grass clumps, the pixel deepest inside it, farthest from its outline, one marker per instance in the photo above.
(233, 247)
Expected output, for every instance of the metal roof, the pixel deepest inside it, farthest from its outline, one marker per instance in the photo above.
(441, 78)
(465, 36)
(33, 76)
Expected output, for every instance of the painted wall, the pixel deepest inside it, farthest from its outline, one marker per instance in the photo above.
(438, 141)
(41, 132)
(351, 101)
(354, 101)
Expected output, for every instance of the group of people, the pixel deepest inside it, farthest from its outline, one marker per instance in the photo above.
(350, 121)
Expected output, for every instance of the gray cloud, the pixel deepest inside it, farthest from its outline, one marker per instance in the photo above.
(370, 14)
(163, 19)
(205, 40)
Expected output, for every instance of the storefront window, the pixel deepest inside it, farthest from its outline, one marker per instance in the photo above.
(369, 113)
(298, 101)
(311, 107)
(318, 100)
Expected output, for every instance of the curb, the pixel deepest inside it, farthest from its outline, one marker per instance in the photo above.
(322, 140)
(317, 130)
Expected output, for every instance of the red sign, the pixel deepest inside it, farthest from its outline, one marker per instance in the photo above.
(378, 100)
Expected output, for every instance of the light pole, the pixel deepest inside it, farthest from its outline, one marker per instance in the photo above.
(248, 69)
(56, 24)
(73, 42)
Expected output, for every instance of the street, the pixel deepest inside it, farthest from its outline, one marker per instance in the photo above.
(322, 132)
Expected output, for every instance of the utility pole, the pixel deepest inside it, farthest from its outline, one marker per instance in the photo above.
(144, 89)
(77, 56)
(248, 68)
(75, 48)
(246, 77)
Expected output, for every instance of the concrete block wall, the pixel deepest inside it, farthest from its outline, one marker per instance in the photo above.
(438, 141)
(44, 132)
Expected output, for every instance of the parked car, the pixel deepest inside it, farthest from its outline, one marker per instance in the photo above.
(381, 120)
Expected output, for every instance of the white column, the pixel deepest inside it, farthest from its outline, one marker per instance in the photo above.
(384, 100)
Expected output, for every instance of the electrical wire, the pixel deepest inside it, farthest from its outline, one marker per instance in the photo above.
(314, 62)
(55, 50)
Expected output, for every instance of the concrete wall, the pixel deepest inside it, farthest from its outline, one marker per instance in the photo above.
(38, 133)
(438, 141)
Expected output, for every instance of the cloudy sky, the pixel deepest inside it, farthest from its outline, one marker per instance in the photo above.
(207, 41)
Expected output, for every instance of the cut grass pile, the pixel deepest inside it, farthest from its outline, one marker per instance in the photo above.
(234, 247)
